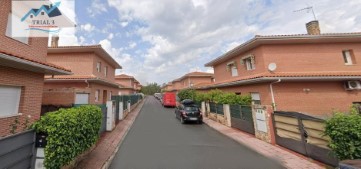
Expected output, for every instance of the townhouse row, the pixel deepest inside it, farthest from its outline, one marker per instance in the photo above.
(309, 73)
(33, 74)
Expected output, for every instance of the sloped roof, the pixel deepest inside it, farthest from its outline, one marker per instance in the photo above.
(123, 76)
(90, 78)
(45, 65)
(286, 39)
(87, 48)
(289, 76)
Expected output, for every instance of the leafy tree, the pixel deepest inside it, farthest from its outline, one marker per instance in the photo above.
(345, 133)
(187, 94)
(151, 88)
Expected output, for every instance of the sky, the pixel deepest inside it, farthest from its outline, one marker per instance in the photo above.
(161, 40)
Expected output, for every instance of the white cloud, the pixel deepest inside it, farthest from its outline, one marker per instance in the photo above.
(132, 45)
(124, 24)
(110, 36)
(188, 33)
(97, 7)
(87, 27)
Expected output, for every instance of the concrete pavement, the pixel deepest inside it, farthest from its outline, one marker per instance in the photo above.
(158, 140)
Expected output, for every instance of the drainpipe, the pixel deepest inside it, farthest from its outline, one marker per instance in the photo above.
(86, 81)
(272, 95)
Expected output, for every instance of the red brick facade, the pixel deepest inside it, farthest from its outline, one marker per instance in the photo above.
(312, 72)
(86, 78)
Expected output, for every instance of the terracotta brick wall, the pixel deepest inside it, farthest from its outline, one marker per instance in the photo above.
(124, 82)
(95, 87)
(321, 100)
(37, 47)
(221, 73)
(197, 80)
(111, 70)
(78, 63)
(31, 94)
(311, 57)
(65, 97)
(126, 91)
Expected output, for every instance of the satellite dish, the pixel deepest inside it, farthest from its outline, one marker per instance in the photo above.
(272, 67)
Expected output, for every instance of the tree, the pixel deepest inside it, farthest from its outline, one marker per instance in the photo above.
(187, 94)
(150, 89)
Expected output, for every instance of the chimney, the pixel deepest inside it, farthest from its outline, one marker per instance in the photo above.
(313, 28)
(54, 41)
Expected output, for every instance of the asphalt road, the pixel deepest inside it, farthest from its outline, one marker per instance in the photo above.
(157, 140)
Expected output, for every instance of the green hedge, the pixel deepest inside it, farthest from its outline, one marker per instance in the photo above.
(216, 96)
(70, 132)
(345, 133)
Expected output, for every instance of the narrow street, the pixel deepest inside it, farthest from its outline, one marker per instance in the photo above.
(158, 140)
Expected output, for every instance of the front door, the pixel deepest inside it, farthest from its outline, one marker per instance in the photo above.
(105, 96)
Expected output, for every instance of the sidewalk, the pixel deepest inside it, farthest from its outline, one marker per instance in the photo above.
(108, 144)
(287, 158)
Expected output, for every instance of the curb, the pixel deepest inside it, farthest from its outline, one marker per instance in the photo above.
(110, 159)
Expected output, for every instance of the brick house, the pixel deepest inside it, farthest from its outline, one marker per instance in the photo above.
(191, 80)
(93, 79)
(23, 65)
(168, 87)
(128, 84)
(310, 73)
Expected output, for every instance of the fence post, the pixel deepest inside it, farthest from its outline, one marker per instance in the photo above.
(129, 106)
(263, 125)
(110, 115)
(121, 111)
(203, 108)
(208, 109)
(227, 114)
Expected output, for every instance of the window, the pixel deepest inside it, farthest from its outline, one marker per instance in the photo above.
(21, 36)
(9, 100)
(106, 71)
(233, 68)
(249, 64)
(99, 66)
(234, 71)
(248, 61)
(42, 13)
(347, 57)
(256, 99)
(97, 95)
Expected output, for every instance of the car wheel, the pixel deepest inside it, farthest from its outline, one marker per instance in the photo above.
(200, 121)
(182, 120)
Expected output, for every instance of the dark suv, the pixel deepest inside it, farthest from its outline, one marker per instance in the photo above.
(187, 110)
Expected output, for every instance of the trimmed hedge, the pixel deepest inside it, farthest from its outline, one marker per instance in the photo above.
(70, 132)
(345, 133)
(217, 96)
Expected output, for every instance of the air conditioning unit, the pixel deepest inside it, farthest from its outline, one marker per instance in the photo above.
(353, 85)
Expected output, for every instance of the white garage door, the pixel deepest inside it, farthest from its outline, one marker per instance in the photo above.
(82, 98)
(9, 100)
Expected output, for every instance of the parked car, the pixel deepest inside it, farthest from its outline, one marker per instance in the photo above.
(157, 95)
(187, 110)
(169, 99)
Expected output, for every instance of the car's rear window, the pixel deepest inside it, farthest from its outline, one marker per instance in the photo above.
(192, 108)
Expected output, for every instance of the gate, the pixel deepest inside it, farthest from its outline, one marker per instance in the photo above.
(241, 118)
(303, 134)
(18, 151)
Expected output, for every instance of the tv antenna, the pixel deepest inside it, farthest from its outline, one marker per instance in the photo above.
(308, 9)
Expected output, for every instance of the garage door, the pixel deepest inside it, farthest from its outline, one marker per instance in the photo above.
(82, 98)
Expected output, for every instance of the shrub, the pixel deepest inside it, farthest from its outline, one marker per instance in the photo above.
(200, 97)
(345, 133)
(70, 132)
(231, 98)
(214, 95)
(187, 94)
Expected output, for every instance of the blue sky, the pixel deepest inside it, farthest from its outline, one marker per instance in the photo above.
(161, 40)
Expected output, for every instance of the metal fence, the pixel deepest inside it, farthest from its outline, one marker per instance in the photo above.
(216, 108)
(241, 118)
(18, 151)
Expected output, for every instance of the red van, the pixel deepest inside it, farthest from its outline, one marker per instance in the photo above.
(169, 99)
